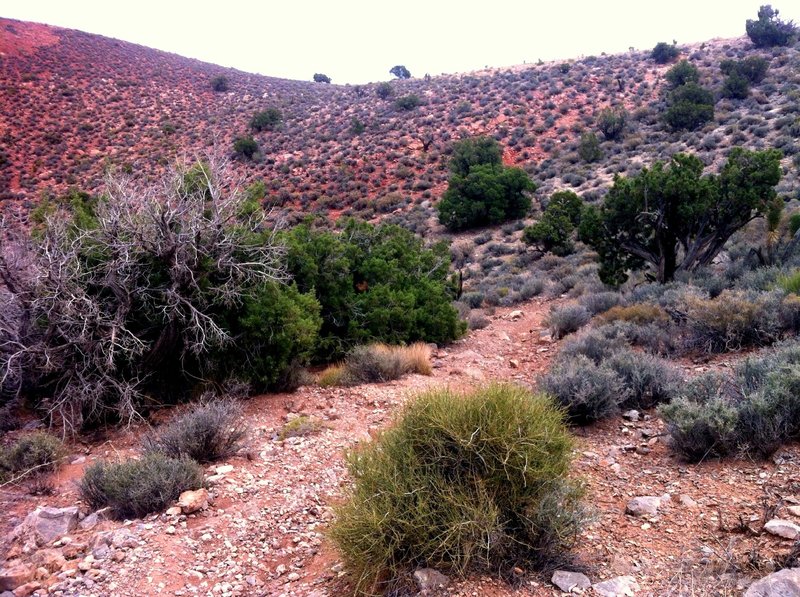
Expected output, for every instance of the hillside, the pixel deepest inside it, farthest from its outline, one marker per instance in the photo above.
(76, 104)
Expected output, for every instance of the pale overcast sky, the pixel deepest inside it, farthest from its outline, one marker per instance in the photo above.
(356, 41)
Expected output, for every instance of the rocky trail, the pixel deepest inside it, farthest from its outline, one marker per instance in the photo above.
(658, 526)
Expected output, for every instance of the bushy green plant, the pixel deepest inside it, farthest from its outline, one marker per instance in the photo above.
(589, 148)
(384, 90)
(682, 73)
(321, 78)
(597, 344)
(553, 232)
(735, 87)
(407, 102)
(374, 283)
(206, 433)
(400, 71)
(769, 30)
(30, 455)
(664, 52)
(220, 83)
(648, 380)
(752, 68)
(135, 488)
(611, 122)
(266, 120)
(701, 430)
(460, 482)
(689, 107)
(245, 147)
(586, 391)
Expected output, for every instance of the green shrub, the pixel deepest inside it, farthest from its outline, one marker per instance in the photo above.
(597, 344)
(135, 488)
(735, 87)
(689, 107)
(790, 283)
(664, 52)
(266, 120)
(567, 319)
(589, 148)
(769, 30)
(682, 73)
(245, 147)
(300, 427)
(600, 302)
(321, 78)
(612, 122)
(460, 482)
(407, 102)
(384, 90)
(752, 68)
(206, 433)
(30, 455)
(639, 314)
(220, 83)
(586, 391)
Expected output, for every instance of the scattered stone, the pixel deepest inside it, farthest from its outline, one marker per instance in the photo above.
(513, 316)
(429, 579)
(95, 518)
(14, 574)
(174, 511)
(513, 363)
(631, 415)
(567, 581)
(643, 450)
(224, 469)
(687, 502)
(784, 583)
(292, 577)
(27, 589)
(50, 559)
(794, 510)
(621, 586)
(48, 524)
(475, 374)
(647, 505)
(193, 501)
(782, 528)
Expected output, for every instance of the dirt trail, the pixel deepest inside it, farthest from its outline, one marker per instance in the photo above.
(264, 531)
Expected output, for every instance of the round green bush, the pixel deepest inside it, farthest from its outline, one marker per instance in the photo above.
(460, 481)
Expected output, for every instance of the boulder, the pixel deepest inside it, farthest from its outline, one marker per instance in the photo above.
(192, 501)
(568, 581)
(48, 524)
(784, 583)
(95, 518)
(646, 505)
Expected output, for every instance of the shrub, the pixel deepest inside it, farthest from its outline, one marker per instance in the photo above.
(752, 68)
(769, 30)
(267, 120)
(589, 148)
(790, 283)
(407, 102)
(300, 427)
(638, 314)
(682, 73)
(400, 71)
(597, 344)
(648, 380)
(245, 147)
(586, 391)
(567, 319)
(600, 302)
(379, 362)
(689, 107)
(321, 78)
(664, 52)
(612, 122)
(699, 430)
(30, 455)
(220, 83)
(735, 87)
(135, 488)
(460, 482)
(384, 90)
(206, 433)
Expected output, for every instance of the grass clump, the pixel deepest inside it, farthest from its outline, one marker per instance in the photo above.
(206, 433)
(375, 363)
(460, 481)
(300, 427)
(30, 455)
(135, 488)
(638, 314)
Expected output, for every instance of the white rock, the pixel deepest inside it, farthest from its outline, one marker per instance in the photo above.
(784, 583)
(192, 501)
(782, 528)
(621, 586)
(567, 581)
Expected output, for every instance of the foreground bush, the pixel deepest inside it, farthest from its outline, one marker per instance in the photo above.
(135, 488)
(206, 433)
(460, 482)
(30, 455)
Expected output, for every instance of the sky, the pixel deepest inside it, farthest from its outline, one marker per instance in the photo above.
(357, 41)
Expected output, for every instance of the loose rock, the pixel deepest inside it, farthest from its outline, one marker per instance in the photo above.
(784, 583)
(192, 501)
(428, 579)
(621, 586)
(15, 574)
(782, 528)
(567, 580)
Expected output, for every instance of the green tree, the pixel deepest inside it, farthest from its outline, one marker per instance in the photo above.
(689, 107)
(400, 71)
(407, 102)
(267, 120)
(553, 232)
(220, 83)
(320, 78)
(488, 195)
(473, 151)
(612, 122)
(384, 90)
(673, 218)
(664, 52)
(374, 283)
(682, 73)
(735, 86)
(769, 30)
(752, 68)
